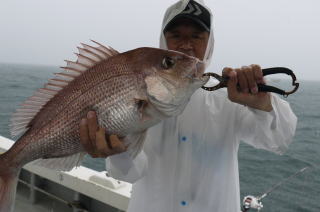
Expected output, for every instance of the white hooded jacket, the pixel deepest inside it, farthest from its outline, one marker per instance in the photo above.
(190, 162)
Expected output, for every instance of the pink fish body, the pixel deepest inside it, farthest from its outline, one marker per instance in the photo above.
(130, 92)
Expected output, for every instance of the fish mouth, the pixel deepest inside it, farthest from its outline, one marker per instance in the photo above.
(197, 72)
(199, 81)
(199, 69)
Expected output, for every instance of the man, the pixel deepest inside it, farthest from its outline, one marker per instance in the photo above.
(189, 162)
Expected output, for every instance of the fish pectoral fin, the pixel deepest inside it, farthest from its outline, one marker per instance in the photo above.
(142, 104)
(61, 164)
(135, 143)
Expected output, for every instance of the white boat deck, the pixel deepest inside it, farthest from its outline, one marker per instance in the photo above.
(89, 188)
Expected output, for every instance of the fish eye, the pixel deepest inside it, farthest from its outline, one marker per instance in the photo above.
(167, 62)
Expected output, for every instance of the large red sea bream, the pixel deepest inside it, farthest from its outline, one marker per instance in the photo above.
(130, 92)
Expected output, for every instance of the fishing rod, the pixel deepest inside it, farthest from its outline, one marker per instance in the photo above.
(252, 202)
(282, 182)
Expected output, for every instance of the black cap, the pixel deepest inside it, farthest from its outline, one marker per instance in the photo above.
(196, 13)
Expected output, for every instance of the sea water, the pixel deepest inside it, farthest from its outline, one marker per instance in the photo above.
(259, 169)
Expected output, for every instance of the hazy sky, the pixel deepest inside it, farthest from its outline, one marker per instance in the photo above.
(265, 32)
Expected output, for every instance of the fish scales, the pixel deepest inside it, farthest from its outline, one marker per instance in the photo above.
(60, 136)
(130, 92)
(76, 88)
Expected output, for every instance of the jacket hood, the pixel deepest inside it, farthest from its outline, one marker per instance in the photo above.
(177, 9)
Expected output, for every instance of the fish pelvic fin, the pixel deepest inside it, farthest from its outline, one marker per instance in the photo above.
(8, 185)
(135, 142)
(61, 164)
(87, 57)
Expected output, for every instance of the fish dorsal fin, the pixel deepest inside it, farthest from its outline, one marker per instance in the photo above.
(87, 57)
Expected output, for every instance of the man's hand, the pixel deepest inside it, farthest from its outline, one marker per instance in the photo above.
(94, 141)
(247, 77)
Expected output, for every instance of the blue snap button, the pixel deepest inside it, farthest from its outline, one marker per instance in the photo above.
(183, 138)
(183, 203)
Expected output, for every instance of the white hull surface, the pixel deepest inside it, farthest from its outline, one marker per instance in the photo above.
(81, 189)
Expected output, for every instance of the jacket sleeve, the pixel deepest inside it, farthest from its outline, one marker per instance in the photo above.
(124, 167)
(272, 131)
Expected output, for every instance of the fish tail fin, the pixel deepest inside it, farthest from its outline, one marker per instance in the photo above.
(8, 185)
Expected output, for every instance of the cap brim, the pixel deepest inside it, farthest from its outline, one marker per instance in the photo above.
(181, 17)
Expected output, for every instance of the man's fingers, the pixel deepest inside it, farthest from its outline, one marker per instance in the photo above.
(101, 143)
(94, 141)
(247, 78)
(226, 71)
(84, 136)
(257, 73)
(243, 82)
(92, 126)
(232, 83)
(232, 86)
(116, 144)
(251, 81)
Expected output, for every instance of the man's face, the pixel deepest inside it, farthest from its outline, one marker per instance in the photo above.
(188, 39)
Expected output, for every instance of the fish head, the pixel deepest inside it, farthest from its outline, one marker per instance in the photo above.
(171, 78)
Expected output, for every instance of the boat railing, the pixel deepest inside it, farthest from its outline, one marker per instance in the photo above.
(83, 181)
